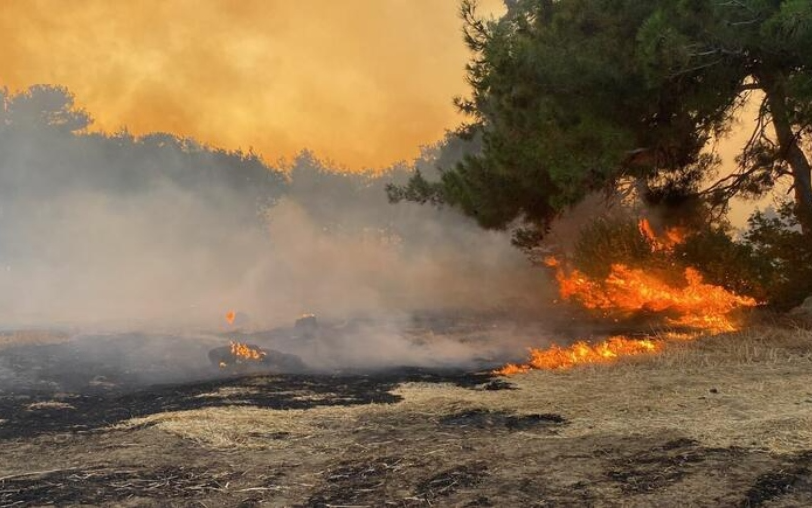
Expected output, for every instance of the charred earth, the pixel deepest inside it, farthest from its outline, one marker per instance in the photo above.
(150, 420)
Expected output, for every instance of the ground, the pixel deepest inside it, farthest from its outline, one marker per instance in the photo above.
(722, 421)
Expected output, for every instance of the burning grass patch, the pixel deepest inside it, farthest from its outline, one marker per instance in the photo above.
(748, 389)
(723, 421)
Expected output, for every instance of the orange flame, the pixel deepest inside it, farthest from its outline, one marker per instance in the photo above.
(673, 236)
(695, 305)
(231, 316)
(246, 352)
(646, 230)
(556, 357)
(625, 289)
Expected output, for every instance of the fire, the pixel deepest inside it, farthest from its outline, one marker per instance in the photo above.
(694, 304)
(246, 352)
(673, 236)
(628, 290)
(231, 316)
(556, 357)
(646, 230)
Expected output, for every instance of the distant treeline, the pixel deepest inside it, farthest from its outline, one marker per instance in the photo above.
(47, 151)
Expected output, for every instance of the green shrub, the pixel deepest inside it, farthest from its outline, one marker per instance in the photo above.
(605, 242)
(787, 250)
(722, 261)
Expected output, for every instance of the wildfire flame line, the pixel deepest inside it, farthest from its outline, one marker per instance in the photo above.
(556, 357)
(697, 305)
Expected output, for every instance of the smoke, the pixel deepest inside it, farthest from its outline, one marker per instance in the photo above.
(160, 234)
(357, 81)
(167, 258)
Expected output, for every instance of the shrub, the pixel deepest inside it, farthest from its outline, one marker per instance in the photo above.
(779, 240)
(606, 241)
(772, 262)
(725, 262)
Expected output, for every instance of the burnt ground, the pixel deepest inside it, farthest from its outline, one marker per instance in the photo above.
(95, 438)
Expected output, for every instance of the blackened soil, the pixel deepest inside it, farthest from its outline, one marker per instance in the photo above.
(103, 364)
(42, 412)
(656, 468)
(57, 446)
(367, 481)
(446, 483)
(61, 456)
(357, 482)
(98, 485)
(793, 478)
(487, 419)
(90, 382)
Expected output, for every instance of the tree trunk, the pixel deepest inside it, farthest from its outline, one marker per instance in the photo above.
(795, 157)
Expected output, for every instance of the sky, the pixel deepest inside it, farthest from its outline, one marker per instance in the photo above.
(360, 83)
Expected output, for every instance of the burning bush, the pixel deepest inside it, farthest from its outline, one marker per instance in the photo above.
(725, 262)
(628, 271)
(623, 269)
(772, 262)
(610, 241)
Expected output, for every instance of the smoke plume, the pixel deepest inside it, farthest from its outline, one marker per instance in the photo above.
(123, 233)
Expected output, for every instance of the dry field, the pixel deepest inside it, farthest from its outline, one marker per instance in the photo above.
(723, 421)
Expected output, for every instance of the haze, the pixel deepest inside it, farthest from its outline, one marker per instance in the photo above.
(361, 83)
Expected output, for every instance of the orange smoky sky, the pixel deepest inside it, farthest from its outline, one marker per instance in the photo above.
(364, 83)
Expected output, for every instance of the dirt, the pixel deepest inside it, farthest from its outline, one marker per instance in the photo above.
(405, 437)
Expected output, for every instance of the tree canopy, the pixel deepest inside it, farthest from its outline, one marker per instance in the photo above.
(575, 96)
(46, 150)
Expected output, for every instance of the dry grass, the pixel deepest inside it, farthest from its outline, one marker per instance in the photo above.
(751, 389)
(251, 427)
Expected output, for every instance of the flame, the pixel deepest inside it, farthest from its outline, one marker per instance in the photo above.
(231, 316)
(556, 357)
(644, 226)
(698, 305)
(628, 290)
(695, 305)
(673, 236)
(246, 352)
